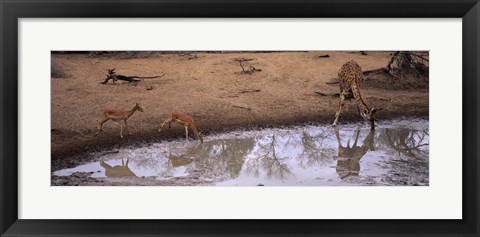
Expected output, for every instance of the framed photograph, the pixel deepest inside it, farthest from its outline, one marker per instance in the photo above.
(227, 118)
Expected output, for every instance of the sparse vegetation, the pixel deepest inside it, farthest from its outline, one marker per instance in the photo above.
(56, 71)
(247, 69)
(407, 64)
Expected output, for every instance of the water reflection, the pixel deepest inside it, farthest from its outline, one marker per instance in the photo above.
(224, 155)
(316, 148)
(310, 155)
(118, 170)
(348, 163)
(184, 158)
(412, 143)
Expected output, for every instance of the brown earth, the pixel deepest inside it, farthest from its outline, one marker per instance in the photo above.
(212, 90)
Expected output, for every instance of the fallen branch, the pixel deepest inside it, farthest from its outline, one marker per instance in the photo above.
(249, 90)
(243, 59)
(320, 93)
(241, 107)
(325, 94)
(250, 69)
(112, 75)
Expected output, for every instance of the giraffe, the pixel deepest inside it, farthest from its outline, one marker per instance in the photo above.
(350, 75)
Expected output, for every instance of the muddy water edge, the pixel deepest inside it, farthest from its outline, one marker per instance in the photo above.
(396, 153)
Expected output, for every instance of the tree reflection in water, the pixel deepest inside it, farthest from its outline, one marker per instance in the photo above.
(316, 148)
(223, 155)
(267, 159)
(411, 143)
(276, 155)
(411, 151)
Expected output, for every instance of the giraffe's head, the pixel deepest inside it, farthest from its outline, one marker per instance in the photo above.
(369, 116)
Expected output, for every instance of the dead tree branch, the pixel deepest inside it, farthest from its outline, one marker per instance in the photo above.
(248, 70)
(112, 75)
(249, 90)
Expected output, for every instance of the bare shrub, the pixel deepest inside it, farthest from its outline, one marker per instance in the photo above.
(57, 71)
(408, 64)
(247, 69)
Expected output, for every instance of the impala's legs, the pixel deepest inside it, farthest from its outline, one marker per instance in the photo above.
(340, 105)
(164, 122)
(128, 129)
(100, 124)
(122, 124)
(186, 132)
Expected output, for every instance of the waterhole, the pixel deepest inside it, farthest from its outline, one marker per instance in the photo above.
(395, 153)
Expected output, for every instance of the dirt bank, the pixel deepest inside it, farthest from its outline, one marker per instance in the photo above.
(212, 90)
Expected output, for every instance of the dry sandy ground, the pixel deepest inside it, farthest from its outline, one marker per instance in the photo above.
(213, 91)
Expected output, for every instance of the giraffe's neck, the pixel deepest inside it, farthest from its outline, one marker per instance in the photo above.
(358, 97)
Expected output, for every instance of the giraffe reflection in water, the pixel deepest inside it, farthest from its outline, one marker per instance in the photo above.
(348, 163)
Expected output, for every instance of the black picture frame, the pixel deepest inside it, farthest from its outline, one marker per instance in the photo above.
(11, 11)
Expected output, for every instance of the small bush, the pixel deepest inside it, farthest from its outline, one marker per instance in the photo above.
(57, 71)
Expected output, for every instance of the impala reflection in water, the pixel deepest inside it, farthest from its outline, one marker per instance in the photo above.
(118, 170)
(396, 153)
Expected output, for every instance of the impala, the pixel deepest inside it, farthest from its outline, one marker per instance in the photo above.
(119, 116)
(185, 120)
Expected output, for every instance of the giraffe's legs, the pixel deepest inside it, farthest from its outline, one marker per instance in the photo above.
(340, 105)
(356, 138)
(337, 135)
